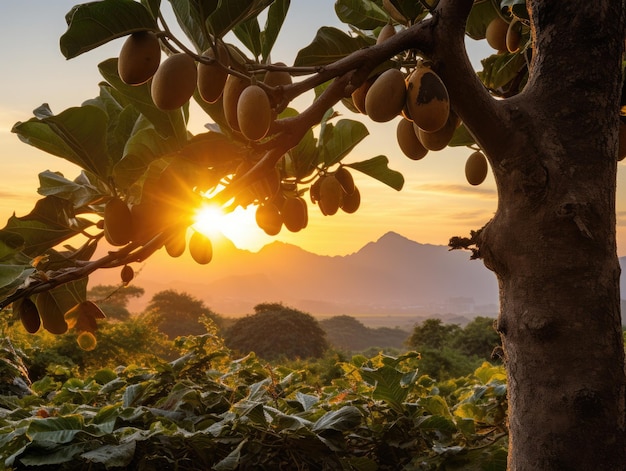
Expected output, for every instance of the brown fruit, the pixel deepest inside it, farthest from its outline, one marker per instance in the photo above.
(268, 218)
(427, 99)
(254, 113)
(331, 195)
(496, 33)
(294, 214)
(358, 95)
(29, 315)
(232, 90)
(408, 141)
(176, 244)
(52, 318)
(87, 341)
(146, 217)
(127, 274)
(118, 222)
(139, 58)
(212, 77)
(314, 191)
(476, 168)
(439, 139)
(351, 202)
(514, 36)
(174, 82)
(277, 78)
(386, 32)
(268, 185)
(386, 97)
(200, 248)
(345, 179)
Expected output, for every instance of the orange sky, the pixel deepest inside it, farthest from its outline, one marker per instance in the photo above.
(435, 204)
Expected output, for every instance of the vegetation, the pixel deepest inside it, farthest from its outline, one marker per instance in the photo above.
(206, 410)
(544, 114)
(276, 331)
(350, 335)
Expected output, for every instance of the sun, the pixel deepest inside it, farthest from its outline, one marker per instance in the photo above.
(239, 226)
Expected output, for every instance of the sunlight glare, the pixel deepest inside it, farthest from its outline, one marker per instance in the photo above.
(239, 226)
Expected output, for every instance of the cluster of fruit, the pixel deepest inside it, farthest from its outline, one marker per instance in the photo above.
(421, 98)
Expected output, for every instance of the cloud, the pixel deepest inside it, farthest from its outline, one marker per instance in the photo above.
(452, 189)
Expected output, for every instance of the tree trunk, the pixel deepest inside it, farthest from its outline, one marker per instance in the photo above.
(552, 245)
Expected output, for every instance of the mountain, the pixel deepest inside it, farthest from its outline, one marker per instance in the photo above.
(393, 276)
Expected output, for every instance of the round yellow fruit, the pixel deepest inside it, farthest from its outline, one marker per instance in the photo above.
(254, 113)
(232, 91)
(439, 139)
(200, 248)
(268, 218)
(174, 82)
(139, 58)
(476, 168)
(118, 222)
(386, 97)
(351, 201)
(331, 195)
(496, 33)
(212, 77)
(428, 102)
(386, 32)
(87, 341)
(408, 141)
(294, 214)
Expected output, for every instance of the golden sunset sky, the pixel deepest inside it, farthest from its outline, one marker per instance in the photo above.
(435, 204)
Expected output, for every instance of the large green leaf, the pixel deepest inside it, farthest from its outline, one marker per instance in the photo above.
(377, 167)
(191, 16)
(329, 45)
(500, 69)
(346, 134)
(79, 193)
(232, 12)
(388, 385)
(10, 244)
(410, 9)
(112, 456)
(167, 123)
(78, 135)
(51, 222)
(249, 33)
(56, 429)
(345, 418)
(461, 137)
(276, 15)
(480, 16)
(92, 24)
(364, 14)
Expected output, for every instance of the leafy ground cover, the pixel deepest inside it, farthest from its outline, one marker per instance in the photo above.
(207, 410)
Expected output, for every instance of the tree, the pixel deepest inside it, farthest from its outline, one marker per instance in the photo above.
(275, 331)
(546, 117)
(113, 300)
(478, 338)
(432, 333)
(177, 314)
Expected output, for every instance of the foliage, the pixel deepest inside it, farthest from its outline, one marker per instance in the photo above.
(113, 300)
(206, 411)
(178, 314)
(447, 350)
(351, 335)
(276, 331)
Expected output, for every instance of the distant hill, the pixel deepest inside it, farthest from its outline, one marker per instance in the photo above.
(391, 276)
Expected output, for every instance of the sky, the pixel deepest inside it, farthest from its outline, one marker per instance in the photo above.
(435, 203)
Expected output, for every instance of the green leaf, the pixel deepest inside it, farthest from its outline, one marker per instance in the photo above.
(232, 12)
(410, 9)
(112, 456)
(78, 135)
(190, 20)
(167, 123)
(377, 167)
(364, 14)
(231, 462)
(249, 33)
(461, 137)
(55, 429)
(276, 15)
(329, 45)
(79, 194)
(500, 69)
(10, 274)
(388, 387)
(10, 244)
(480, 16)
(92, 24)
(345, 418)
(346, 134)
(50, 223)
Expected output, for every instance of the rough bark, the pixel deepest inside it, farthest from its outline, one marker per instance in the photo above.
(552, 240)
